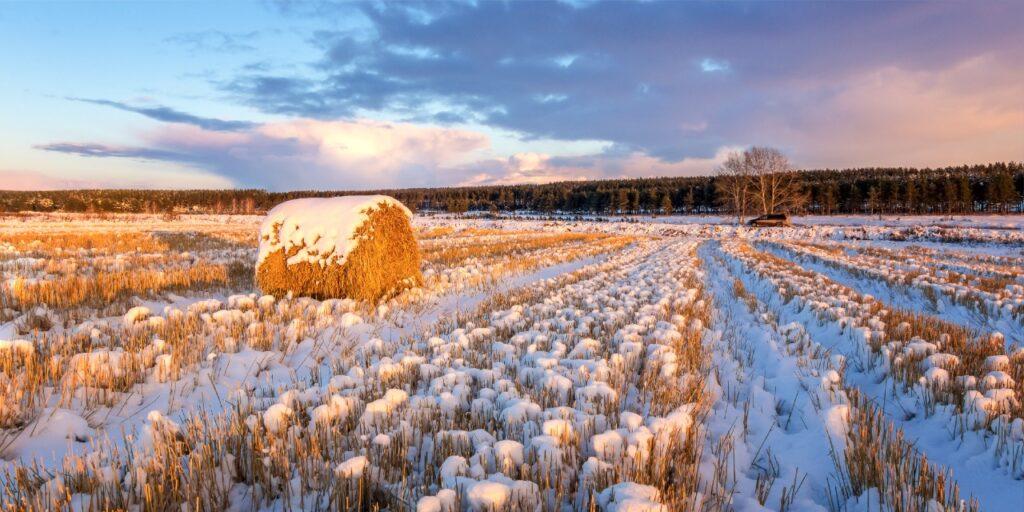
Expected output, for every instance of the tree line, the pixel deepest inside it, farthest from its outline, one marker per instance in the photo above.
(995, 187)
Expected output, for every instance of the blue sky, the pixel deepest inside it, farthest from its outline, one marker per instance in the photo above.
(287, 95)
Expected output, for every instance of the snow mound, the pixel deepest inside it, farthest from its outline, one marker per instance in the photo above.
(352, 468)
(631, 497)
(276, 418)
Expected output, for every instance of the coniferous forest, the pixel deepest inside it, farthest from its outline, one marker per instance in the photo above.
(988, 188)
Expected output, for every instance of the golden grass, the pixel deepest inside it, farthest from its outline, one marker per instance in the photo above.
(450, 233)
(71, 267)
(510, 260)
(878, 456)
(435, 233)
(449, 255)
(109, 241)
(385, 261)
(105, 287)
(30, 241)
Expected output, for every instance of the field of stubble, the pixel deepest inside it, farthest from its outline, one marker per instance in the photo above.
(542, 366)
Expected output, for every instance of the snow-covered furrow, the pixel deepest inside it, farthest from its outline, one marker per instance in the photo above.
(914, 257)
(996, 263)
(979, 264)
(977, 251)
(904, 297)
(782, 403)
(920, 297)
(967, 432)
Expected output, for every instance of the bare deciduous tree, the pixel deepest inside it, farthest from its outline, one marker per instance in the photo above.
(775, 185)
(733, 185)
(760, 179)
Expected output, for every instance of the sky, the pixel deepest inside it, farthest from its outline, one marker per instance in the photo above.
(301, 95)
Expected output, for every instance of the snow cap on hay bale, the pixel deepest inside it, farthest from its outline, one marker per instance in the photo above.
(360, 247)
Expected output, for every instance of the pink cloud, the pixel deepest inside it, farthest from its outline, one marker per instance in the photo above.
(541, 168)
(971, 112)
(368, 154)
(33, 180)
(307, 153)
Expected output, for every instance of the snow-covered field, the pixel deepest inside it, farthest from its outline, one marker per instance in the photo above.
(677, 363)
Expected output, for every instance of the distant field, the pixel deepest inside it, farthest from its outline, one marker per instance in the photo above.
(667, 363)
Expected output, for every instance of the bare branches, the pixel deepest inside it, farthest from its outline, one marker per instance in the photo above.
(776, 185)
(760, 179)
(734, 185)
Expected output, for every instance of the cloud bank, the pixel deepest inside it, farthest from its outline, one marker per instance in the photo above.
(306, 153)
(668, 79)
(667, 87)
(369, 154)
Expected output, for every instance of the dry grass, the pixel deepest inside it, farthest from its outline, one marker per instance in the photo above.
(78, 267)
(118, 241)
(451, 254)
(106, 287)
(114, 242)
(483, 270)
(878, 456)
(450, 233)
(385, 261)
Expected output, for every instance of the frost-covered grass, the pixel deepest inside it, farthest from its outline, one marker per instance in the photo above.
(872, 463)
(958, 388)
(542, 365)
(954, 363)
(990, 288)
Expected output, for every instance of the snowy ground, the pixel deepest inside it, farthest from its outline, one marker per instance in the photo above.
(669, 363)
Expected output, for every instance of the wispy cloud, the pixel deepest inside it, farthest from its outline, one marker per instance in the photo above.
(215, 41)
(544, 168)
(105, 151)
(170, 115)
(709, 65)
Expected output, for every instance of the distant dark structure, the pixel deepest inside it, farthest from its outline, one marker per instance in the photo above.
(771, 220)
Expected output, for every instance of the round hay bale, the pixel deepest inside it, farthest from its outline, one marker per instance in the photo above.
(361, 247)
